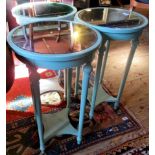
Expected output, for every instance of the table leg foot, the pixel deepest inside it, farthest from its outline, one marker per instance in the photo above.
(116, 105)
(42, 153)
(79, 140)
(91, 116)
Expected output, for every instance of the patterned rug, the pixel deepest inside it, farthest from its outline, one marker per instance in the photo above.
(138, 146)
(22, 137)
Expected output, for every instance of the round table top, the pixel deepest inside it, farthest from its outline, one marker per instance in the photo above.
(112, 19)
(33, 11)
(53, 39)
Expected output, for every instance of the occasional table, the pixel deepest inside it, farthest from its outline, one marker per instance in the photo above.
(76, 47)
(114, 24)
(36, 11)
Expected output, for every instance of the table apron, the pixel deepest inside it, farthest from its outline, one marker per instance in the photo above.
(57, 65)
(22, 20)
(122, 36)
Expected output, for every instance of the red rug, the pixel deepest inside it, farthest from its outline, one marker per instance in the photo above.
(18, 99)
(22, 136)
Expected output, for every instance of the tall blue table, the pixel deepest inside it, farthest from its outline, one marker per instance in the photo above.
(36, 11)
(114, 24)
(76, 47)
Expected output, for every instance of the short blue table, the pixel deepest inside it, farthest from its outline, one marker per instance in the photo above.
(114, 24)
(76, 47)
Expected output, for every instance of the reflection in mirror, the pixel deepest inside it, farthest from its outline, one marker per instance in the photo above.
(43, 9)
(110, 17)
(55, 37)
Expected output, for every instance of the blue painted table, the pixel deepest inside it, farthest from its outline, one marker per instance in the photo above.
(76, 47)
(36, 11)
(114, 24)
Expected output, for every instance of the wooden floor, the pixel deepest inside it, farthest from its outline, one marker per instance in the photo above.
(135, 96)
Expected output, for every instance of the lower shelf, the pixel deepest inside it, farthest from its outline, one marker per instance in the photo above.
(102, 96)
(57, 124)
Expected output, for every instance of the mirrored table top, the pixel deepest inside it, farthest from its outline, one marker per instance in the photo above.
(54, 37)
(111, 17)
(43, 9)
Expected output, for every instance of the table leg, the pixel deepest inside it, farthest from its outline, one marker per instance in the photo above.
(97, 77)
(134, 43)
(104, 61)
(77, 81)
(85, 81)
(34, 80)
(65, 83)
(69, 86)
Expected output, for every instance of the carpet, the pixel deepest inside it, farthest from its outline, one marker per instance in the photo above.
(22, 137)
(138, 146)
